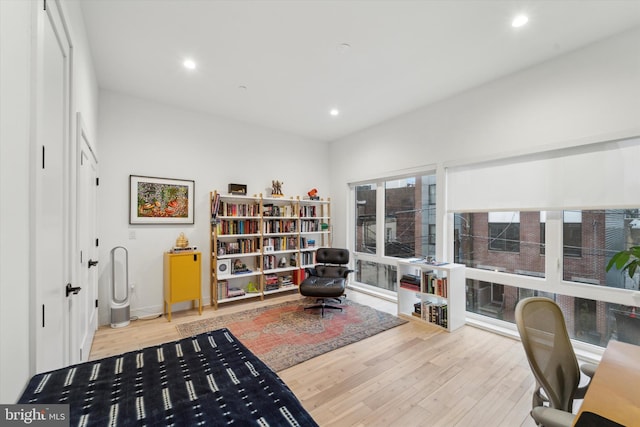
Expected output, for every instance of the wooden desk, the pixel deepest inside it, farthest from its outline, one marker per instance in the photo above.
(614, 392)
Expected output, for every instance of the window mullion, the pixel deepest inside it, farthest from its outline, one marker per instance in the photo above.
(381, 222)
(553, 247)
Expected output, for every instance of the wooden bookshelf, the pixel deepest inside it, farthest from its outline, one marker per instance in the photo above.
(260, 245)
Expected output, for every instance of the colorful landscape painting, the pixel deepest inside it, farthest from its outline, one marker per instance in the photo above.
(161, 200)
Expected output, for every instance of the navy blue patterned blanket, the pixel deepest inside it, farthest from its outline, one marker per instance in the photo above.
(209, 379)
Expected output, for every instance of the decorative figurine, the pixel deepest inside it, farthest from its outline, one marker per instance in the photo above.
(181, 241)
(276, 188)
(313, 194)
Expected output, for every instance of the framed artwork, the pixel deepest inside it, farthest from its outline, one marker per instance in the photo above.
(160, 200)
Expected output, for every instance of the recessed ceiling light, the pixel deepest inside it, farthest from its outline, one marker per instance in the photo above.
(189, 64)
(334, 112)
(519, 21)
(242, 87)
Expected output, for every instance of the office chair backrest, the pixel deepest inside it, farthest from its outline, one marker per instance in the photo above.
(551, 357)
(333, 261)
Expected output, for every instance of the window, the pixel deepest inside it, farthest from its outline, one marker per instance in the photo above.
(365, 229)
(589, 321)
(561, 251)
(594, 240)
(491, 241)
(504, 231)
(398, 222)
(572, 233)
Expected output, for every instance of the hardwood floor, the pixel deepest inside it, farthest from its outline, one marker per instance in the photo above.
(411, 375)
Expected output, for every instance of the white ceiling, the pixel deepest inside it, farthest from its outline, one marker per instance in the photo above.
(288, 55)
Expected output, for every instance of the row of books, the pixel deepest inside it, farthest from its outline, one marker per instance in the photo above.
(279, 226)
(280, 243)
(275, 210)
(246, 226)
(309, 225)
(308, 211)
(307, 258)
(241, 246)
(238, 209)
(431, 312)
(435, 285)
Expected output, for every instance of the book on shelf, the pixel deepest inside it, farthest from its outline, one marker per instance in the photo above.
(215, 206)
(235, 292)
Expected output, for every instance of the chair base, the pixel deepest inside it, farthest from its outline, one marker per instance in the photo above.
(322, 305)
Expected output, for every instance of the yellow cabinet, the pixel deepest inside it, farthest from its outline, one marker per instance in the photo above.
(182, 280)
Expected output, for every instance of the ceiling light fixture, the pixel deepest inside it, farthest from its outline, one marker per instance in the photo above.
(519, 21)
(189, 64)
(334, 112)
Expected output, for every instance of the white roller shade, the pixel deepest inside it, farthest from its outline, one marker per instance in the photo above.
(594, 176)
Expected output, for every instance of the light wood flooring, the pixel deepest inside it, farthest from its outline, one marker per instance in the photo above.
(411, 375)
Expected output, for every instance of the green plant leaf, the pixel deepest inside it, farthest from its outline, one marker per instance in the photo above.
(632, 268)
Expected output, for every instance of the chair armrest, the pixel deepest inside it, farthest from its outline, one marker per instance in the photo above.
(551, 417)
(346, 273)
(589, 369)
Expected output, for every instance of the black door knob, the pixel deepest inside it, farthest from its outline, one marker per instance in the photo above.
(92, 263)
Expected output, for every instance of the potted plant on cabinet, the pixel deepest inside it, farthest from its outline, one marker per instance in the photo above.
(628, 260)
(628, 324)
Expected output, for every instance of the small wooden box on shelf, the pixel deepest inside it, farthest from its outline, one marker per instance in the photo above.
(182, 279)
(257, 246)
(432, 293)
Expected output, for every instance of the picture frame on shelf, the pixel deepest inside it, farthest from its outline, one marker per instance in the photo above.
(154, 200)
(238, 189)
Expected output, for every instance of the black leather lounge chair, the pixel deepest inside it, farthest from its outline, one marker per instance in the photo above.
(328, 280)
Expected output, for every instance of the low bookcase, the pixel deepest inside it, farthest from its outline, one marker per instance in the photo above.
(432, 293)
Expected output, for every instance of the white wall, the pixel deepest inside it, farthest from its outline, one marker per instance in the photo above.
(141, 137)
(17, 19)
(15, 48)
(590, 95)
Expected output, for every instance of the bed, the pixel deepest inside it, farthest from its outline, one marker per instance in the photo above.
(207, 379)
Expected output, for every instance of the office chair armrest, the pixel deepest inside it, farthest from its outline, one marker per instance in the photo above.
(589, 369)
(551, 417)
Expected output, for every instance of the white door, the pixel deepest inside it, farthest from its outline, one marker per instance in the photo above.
(84, 320)
(51, 240)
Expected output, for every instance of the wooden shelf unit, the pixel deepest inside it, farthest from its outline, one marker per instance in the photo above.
(259, 245)
(432, 294)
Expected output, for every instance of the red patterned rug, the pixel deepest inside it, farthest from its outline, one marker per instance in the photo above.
(284, 334)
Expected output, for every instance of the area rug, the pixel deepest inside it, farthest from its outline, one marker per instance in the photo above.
(284, 334)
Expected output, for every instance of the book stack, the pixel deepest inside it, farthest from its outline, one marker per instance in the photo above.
(410, 282)
(235, 292)
(271, 282)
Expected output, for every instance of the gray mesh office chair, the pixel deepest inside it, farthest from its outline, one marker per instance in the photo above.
(552, 360)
